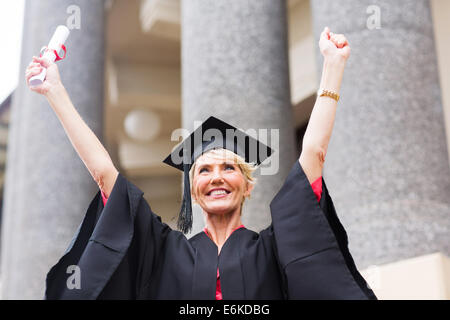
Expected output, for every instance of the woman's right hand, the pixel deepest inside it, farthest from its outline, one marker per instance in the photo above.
(52, 79)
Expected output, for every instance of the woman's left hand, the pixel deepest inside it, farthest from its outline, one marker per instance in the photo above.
(333, 46)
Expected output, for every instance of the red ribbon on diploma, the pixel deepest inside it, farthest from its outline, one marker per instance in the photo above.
(45, 49)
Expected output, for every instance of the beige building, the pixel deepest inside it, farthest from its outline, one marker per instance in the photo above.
(143, 99)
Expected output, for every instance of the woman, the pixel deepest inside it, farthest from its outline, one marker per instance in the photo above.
(124, 251)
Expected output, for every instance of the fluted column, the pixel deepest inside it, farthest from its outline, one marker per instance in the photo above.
(387, 166)
(47, 187)
(235, 67)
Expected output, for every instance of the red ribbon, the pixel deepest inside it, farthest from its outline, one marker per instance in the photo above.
(45, 49)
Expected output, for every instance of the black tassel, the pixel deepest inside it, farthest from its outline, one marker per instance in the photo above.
(184, 223)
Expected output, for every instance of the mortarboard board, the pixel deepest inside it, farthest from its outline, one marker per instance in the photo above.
(211, 134)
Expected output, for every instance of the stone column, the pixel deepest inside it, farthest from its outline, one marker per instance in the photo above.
(387, 167)
(48, 188)
(235, 67)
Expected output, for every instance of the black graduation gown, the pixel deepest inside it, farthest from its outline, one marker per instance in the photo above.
(124, 251)
(312, 244)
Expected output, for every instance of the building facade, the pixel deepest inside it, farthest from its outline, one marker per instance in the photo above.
(138, 70)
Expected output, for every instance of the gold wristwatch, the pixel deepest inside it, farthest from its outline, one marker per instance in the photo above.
(327, 93)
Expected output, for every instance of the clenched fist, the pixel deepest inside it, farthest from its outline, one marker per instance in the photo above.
(333, 46)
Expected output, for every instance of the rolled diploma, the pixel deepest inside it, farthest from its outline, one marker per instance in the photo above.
(58, 39)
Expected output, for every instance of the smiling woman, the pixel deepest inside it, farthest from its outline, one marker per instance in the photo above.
(226, 165)
(124, 251)
(221, 181)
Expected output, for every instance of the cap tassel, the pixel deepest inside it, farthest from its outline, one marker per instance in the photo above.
(184, 223)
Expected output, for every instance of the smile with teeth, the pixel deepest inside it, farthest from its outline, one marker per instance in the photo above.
(218, 193)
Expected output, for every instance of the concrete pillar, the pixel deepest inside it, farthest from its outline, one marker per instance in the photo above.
(387, 167)
(235, 67)
(47, 187)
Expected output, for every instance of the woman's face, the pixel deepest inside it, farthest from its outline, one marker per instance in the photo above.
(219, 186)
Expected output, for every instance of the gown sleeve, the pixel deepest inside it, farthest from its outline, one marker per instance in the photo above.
(114, 249)
(312, 244)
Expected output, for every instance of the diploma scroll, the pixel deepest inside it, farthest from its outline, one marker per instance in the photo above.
(51, 52)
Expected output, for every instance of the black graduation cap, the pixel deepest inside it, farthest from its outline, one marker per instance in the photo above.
(211, 134)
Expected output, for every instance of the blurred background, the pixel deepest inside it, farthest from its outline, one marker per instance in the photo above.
(138, 70)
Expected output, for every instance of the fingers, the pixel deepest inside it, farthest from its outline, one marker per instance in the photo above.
(33, 64)
(346, 51)
(338, 39)
(32, 72)
(325, 35)
(44, 62)
(34, 68)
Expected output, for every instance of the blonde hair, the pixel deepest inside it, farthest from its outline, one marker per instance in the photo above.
(246, 168)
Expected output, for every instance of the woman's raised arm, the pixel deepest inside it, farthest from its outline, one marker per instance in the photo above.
(335, 50)
(85, 142)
